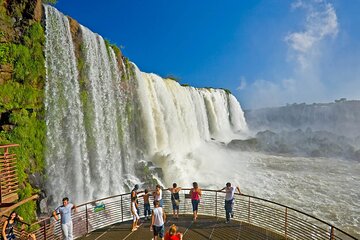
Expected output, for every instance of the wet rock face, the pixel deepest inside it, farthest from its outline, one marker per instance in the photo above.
(36, 180)
(146, 172)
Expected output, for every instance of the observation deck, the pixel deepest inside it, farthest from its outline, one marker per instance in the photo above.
(254, 218)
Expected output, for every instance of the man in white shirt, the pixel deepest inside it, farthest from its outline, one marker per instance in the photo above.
(66, 221)
(158, 218)
(229, 200)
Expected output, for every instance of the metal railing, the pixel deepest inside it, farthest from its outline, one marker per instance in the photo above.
(8, 173)
(263, 214)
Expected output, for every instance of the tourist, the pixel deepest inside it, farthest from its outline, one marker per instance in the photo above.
(229, 200)
(147, 210)
(173, 234)
(133, 209)
(175, 199)
(195, 194)
(134, 195)
(8, 227)
(65, 214)
(158, 195)
(157, 221)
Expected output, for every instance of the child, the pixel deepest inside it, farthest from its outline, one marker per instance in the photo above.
(136, 217)
(147, 209)
(173, 234)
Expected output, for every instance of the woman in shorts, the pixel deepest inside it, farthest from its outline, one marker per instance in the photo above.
(195, 194)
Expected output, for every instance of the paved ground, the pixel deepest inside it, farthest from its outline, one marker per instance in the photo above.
(205, 228)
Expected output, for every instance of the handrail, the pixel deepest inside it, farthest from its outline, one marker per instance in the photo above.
(264, 214)
(8, 176)
(12, 207)
(9, 145)
(296, 210)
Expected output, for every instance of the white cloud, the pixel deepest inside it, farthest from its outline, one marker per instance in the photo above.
(320, 22)
(242, 84)
(297, 4)
(317, 70)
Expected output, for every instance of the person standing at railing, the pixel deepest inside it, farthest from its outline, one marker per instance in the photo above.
(147, 210)
(229, 200)
(134, 195)
(175, 199)
(66, 221)
(133, 209)
(195, 194)
(8, 227)
(158, 195)
(158, 219)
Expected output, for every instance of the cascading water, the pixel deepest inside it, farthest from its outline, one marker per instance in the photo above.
(178, 120)
(66, 155)
(86, 118)
(103, 117)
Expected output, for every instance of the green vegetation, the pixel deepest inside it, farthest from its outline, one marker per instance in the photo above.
(115, 48)
(21, 97)
(129, 68)
(172, 77)
(226, 90)
(53, 2)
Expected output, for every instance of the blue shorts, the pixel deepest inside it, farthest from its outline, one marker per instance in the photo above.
(159, 231)
(174, 205)
(195, 204)
(10, 236)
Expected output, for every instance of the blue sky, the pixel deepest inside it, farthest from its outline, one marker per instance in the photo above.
(267, 52)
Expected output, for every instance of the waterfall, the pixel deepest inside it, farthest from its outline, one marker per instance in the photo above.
(103, 116)
(66, 152)
(178, 120)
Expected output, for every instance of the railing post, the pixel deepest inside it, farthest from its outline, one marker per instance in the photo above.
(122, 209)
(44, 230)
(249, 211)
(286, 222)
(87, 219)
(0, 187)
(216, 201)
(332, 234)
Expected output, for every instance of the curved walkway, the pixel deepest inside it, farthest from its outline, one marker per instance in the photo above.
(205, 228)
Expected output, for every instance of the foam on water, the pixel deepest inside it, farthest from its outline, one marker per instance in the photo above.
(325, 188)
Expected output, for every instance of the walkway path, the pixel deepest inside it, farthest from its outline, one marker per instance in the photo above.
(205, 228)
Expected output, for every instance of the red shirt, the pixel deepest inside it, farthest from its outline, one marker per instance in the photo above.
(195, 195)
(173, 237)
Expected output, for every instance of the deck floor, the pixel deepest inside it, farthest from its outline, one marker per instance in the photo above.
(205, 228)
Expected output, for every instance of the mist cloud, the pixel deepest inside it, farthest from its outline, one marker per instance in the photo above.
(242, 84)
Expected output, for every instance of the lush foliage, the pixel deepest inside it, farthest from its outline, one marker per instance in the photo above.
(50, 1)
(172, 77)
(21, 98)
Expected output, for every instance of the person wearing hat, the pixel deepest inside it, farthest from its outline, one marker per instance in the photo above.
(229, 200)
